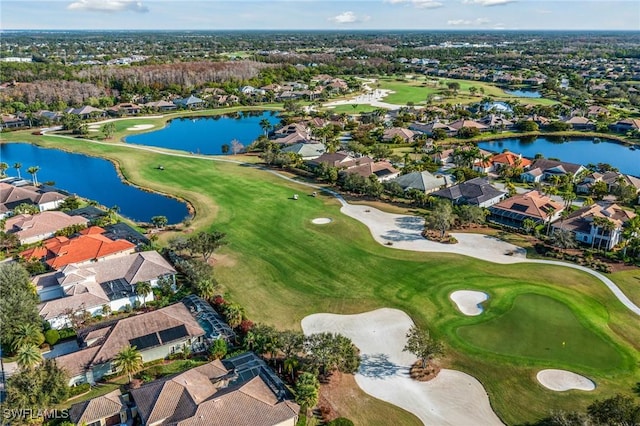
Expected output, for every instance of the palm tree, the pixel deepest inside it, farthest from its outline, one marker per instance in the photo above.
(608, 226)
(563, 239)
(33, 170)
(128, 361)
(528, 225)
(631, 232)
(25, 335)
(106, 309)
(28, 356)
(568, 198)
(234, 314)
(307, 391)
(18, 166)
(265, 124)
(290, 365)
(550, 213)
(3, 168)
(143, 288)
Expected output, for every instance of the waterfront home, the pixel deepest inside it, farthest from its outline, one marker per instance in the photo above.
(33, 228)
(155, 334)
(626, 125)
(11, 121)
(462, 123)
(161, 105)
(497, 122)
(89, 246)
(580, 123)
(190, 102)
(241, 390)
(12, 196)
(424, 181)
(588, 229)
(543, 169)
(532, 205)
(91, 287)
(500, 161)
(476, 192)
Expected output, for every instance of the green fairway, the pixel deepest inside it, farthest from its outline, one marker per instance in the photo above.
(281, 267)
(348, 108)
(417, 90)
(541, 328)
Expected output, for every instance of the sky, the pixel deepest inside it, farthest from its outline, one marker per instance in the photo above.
(321, 15)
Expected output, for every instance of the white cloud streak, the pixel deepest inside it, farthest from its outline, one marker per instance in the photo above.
(468, 22)
(108, 6)
(488, 3)
(348, 18)
(420, 4)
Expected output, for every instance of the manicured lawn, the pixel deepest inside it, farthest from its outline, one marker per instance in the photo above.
(541, 328)
(417, 91)
(629, 282)
(283, 268)
(348, 108)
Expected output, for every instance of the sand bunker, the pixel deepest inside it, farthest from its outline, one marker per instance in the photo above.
(563, 380)
(452, 398)
(321, 220)
(141, 127)
(469, 301)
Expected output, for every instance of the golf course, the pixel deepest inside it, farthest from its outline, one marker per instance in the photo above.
(281, 267)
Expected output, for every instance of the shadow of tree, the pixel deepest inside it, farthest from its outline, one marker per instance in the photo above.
(378, 366)
(395, 235)
(412, 223)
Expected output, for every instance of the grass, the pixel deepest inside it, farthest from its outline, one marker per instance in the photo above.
(348, 108)
(417, 91)
(629, 282)
(286, 268)
(540, 328)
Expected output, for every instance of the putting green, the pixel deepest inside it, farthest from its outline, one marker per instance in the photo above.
(541, 328)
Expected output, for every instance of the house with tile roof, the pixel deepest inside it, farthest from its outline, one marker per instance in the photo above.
(308, 151)
(12, 196)
(89, 287)
(429, 128)
(33, 228)
(382, 170)
(626, 125)
(424, 181)
(532, 205)
(90, 246)
(341, 160)
(501, 160)
(611, 178)
(105, 410)
(393, 133)
(543, 168)
(241, 390)
(583, 224)
(161, 105)
(580, 123)
(477, 191)
(155, 334)
(86, 111)
(191, 102)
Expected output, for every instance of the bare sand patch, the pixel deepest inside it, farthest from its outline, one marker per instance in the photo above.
(469, 301)
(141, 127)
(452, 398)
(321, 220)
(563, 380)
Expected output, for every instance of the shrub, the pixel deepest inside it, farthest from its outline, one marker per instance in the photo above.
(79, 389)
(67, 334)
(51, 337)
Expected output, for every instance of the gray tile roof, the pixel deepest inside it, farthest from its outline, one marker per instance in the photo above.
(475, 191)
(97, 408)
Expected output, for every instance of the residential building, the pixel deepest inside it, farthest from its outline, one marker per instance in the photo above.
(33, 228)
(583, 223)
(383, 170)
(161, 105)
(398, 133)
(429, 128)
(127, 108)
(190, 102)
(477, 192)
(610, 178)
(89, 246)
(626, 125)
(307, 151)
(90, 287)
(580, 123)
(502, 160)
(86, 111)
(12, 196)
(340, 160)
(532, 205)
(236, 391)
(105, 410)
(155, 334)
(543, 169)
(424, 181)
(462, 123)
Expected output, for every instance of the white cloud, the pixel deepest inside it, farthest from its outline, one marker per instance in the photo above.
(108, 6)
(488, 2)
(420, 4)
(348, 18)
(468, 22)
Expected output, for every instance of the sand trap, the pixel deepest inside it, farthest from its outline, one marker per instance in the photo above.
(93, 127)
(452, 398)
(321, 220)
(141, 127)
(469, 301)
(563, 380)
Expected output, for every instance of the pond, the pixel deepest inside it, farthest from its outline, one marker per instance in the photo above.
(524, 93)
(207, 135)
(92, 178)
(580, 151)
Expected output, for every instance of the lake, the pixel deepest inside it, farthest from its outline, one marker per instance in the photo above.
(92, 178)
(206, 135)
(580, 151)
(524, 93)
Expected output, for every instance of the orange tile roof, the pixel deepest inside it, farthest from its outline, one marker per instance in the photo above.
(61, 251)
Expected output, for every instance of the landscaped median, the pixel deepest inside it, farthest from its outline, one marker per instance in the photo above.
(286, 268)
